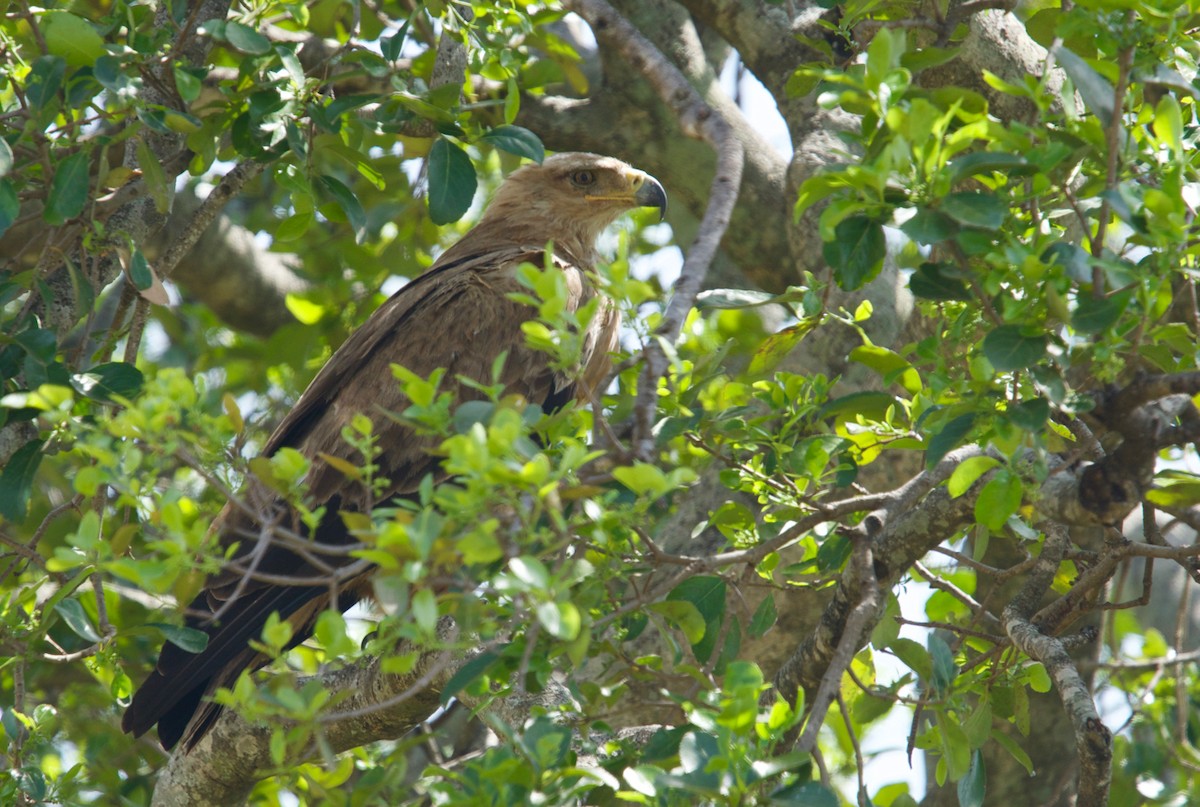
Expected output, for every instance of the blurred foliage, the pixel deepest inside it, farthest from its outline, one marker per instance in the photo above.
(1047, 267)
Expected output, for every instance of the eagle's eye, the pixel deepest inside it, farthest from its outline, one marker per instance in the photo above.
(584, 178)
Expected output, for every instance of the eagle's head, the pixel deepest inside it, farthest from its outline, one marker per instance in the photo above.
(569, 199)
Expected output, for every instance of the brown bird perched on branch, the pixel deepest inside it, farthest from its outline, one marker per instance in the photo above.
(456, 316)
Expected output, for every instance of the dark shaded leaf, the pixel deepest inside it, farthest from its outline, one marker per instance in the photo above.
(68, 190)
(1071, 257)
(980, 162)
(452, 182)
(975, 209)
(929, 226)
(189, 639)
(1095, 315)
(857, 251)
(948, 439)
(16, 480)
(764, 617)
(932, 281)
(6, 157)
(516, 140)
(944, 668)
(44, 80)
(1097, 92)
(1030, 415)
(40, 343)
(1007, 348)
(467, 674)
(348, 202)
(809, 794)
(139, 271)
(76, 618)
(104, 381)
(833, 552)
(707, 594)
(871, 405)
(973, 786)
(246, 39)
(10, 205)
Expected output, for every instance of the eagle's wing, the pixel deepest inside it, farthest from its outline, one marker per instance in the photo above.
(456, 316)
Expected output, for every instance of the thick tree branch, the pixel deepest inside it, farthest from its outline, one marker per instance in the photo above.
(1093, 740)
(223, 767)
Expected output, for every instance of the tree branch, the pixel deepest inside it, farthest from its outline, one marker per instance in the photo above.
(697, 120)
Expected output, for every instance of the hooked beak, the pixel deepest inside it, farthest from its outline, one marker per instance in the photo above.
(650, 193)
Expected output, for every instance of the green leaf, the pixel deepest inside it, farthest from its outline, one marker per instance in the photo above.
(139, 271)
(967, 473)
(516, 140)
(981, 209)
(76, 618)
(978, 727)
(643, 479)
(1010, 745)
(1008, 348)
(747, 298)
(72, 38)
(69, 189)
(424, 610)
(980, 162)
(948, 439)
(1072, 258)
(764, 617)
(10, 205)
(857, 251)
(530, 571)
(973, 786)
(929, 227)
(1098, 94)
(684, 615)
(833, 552)
(870, 405)
(561, 619)
(192, 640)
(1039, 678)
(187, 83)
(888, 363)
(808, 794)
(1096, 315)
(294, 226)
(777, 346)
(998, 500)
(44, 80)
(468, 673)
(452, 182)
(708, 595)
(1030, 415)
(934, 281)
(944, 668)
(16, 480)
(348, 202)
(106, 381)
(246, 39)
(6, 158)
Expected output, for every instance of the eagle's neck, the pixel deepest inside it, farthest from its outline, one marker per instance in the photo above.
(508, 222)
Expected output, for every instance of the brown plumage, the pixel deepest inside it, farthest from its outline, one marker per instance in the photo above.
(456, 316)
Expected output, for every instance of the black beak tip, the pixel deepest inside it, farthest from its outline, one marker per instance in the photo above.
(651, 194)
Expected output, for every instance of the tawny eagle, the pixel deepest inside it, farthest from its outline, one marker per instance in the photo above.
(458, 316)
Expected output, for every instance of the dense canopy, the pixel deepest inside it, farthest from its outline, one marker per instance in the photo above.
(890, 497)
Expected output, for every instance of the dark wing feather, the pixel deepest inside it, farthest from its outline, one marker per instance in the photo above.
(457, 316)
